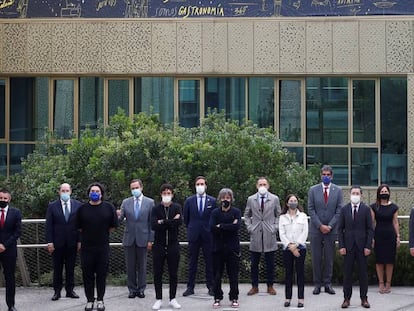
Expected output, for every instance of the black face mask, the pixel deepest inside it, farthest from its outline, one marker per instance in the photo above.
(3, 204)
(384, 196)
(225, 203)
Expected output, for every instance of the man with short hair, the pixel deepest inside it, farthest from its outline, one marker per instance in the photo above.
(261, 217)
(138, 237)
(62, 239)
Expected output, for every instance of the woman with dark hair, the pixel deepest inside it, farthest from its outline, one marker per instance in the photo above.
(386, 237)
(293, 232)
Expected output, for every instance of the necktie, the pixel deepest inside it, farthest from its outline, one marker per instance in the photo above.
(262, 204)
(325, 195)
(200, 206)
(355, 212)
(2, 218)
(66, 211)
(136, 209)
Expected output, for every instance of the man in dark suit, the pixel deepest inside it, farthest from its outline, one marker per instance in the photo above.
(197, 211)
(138, 237)
(324, 206)
(10, 230)
(355, 234)
(62, 238)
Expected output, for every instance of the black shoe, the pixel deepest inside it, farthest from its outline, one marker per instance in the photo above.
(300, 305)
(140, 294)
(188, 292)
(287, 304)
(131, 295)
(210, 292)
(72, 294)
(55, 297)
(12, 309)
(316, 291)
(329, 290)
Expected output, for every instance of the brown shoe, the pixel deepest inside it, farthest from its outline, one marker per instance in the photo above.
(365, 303)
(345, 304)
(253, 291)
(271, 290)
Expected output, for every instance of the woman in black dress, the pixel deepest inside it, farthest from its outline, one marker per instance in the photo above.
(387, 236)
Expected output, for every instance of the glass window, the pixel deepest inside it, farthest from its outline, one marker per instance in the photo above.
(155, 95)
(290, 110)
(189, 103)
(226, 94)
(364, 166)
(28, 108)
(298, 152)
(90, 102)
(337, 158)
(2, 109)
(363, 111)
(327, 110)
(63, 104)
(394, 131)
(17, 152)
(3, 159)
(261, 101)
(118, 96)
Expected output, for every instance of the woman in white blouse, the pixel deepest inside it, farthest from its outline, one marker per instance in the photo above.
(293, 232)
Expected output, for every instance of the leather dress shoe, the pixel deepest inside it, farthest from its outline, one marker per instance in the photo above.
(72, 294)
(140, 294)
(345, 304)
(253, 291)
(12, 309)
(56, 296)
(365, 303)
(131, 295)
(301, 305)
(316, 291)
(329, 290)
(287, 304)
(271, 290)
(188, 292)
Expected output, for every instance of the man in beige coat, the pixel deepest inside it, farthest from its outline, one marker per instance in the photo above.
(261, 217)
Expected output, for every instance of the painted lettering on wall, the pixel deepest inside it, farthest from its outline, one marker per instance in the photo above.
(105, 3)
(187, 11)
(6, 3)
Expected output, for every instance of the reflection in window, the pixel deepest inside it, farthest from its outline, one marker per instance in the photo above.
(394, 131)
(363, 111)
(118, 96)
(298, 153)
(364, 163)
(2, 109)
(327, 110)
(63, 108)
(90, 102)
(290, 111)
(17, 153)
(155, 96)
(337, 158)
(189, 103)
(226, 94)
(29, 102)
(261, 101)
(3, 159)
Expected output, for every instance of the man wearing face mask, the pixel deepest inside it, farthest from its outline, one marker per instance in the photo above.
(62, 239)
(138, 237)
(10, 230)
(165, 221)
(355, 235)
(95, 220)
(324, 206)
(261, 217)
(196, 213)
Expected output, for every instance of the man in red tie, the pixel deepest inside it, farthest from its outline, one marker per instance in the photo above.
(10, 230)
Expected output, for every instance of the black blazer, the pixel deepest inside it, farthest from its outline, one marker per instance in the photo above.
(11, 231)
(359, 232)
(58, 231)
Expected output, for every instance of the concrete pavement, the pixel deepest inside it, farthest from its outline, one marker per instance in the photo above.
(116, 298)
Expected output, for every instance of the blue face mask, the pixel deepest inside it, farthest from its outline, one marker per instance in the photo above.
(94, 196)
(136, 192)
(326, 180)
(64, 196)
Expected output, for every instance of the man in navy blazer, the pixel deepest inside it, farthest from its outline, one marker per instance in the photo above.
(10, 230)
(355, 235)
(138, 237)
(62, 239)
(197, 211)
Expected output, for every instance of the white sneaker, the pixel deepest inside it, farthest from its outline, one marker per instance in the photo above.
(100, 306)
(157, 305)
(174, 303)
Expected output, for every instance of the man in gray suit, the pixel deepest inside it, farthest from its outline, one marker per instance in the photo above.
(324, 207)
(138, 237)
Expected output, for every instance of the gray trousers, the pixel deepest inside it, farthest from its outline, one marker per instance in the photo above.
(323, 253)
(136, 266)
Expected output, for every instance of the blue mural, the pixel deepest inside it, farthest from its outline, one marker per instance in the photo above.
(199, 8)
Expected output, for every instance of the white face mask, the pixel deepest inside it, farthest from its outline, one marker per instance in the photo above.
(200, 189)
(355, 199)
(262, 190)
(166, 199)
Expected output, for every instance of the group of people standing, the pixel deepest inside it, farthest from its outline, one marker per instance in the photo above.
(213, 226)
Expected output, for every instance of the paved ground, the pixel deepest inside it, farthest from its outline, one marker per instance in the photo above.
(38, 299)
